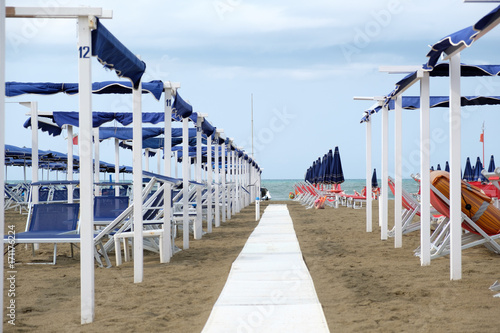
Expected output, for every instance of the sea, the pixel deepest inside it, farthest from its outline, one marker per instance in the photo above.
(280, 188)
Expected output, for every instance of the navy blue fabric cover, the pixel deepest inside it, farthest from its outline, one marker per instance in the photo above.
(125, 133)
(468, 174)
(12, 89)
(374, 179)
(491, 166)
(112, 54)
(338, 174)
(180, 108)
(463, 37)
(51, 129)
(99, 118)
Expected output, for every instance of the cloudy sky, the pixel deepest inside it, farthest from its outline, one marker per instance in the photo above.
(303, 62)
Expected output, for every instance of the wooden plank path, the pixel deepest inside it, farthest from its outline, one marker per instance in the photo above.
(269, 288)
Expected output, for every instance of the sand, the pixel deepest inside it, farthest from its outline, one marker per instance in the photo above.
(363, 283)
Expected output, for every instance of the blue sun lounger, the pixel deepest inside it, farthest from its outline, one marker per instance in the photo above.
(52, 223)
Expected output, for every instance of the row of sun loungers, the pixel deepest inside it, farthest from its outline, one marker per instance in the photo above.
(57, 222)
(313, 196)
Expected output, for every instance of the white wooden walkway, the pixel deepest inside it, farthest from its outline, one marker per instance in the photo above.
(269, 288)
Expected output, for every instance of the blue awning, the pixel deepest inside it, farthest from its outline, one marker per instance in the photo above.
(98, 118)
(180, 108)
(112, 54)
(13, 89)
(125, 133)
(442, 70)
(464, 37)
(413, 103)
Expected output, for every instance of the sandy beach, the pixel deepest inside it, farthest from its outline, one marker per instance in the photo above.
(363, 283)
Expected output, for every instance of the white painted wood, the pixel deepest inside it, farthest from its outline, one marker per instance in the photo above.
(69, 169)
(209, 183)
(2, 140)
(34, 149)
(185, 183)
(87, 292)
(385, 172)
(117, 166)
(217, 179)
(223, 171)
(167, 153)
(425, 199)
(199, 211)
(398, 192)
(368, 183)
(455, 171)
(137, 179)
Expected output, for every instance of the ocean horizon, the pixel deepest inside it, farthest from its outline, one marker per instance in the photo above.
(281, 188)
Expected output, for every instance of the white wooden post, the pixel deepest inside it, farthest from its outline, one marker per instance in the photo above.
(209, 183)
(199, 211)
(34, 149)
(398, 192)
(368, 183)
(425, 196)
(385, 156)
(217, 179)
(2, 139)
(185, 183)
(69, 162)
(167, 202)
(97, 159)
(223, 180)
(137, 177)
(117, 166)
(455, 172)
(85, 151)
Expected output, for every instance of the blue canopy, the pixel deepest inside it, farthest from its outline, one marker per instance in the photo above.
(374, 179)
(491, 167)
(338, 174)
(45, 125)
(329, 167)
(99, 118)
(13, 89)
(113, 55)
(413, 103)
(468, 175)
(180, 108)
(464, 37)
(125, 133)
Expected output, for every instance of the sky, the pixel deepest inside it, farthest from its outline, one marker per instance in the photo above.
(301, 63)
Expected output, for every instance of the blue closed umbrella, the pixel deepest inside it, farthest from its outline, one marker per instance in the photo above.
(438, 167)
(328, 168)
(491, 167)
(432, 168)
(374, 179)
(338, 174)
(478, 176)
(468, 175)
(447, 167)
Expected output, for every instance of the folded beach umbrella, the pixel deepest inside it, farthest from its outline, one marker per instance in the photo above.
(468, 175)
(478, 176)
(447, 167)
(438, 167)
(328, 168)
(432, 168)
(374, 179)
(491, 167)
(338, 174)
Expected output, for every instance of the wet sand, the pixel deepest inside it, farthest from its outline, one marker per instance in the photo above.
(363, 283)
